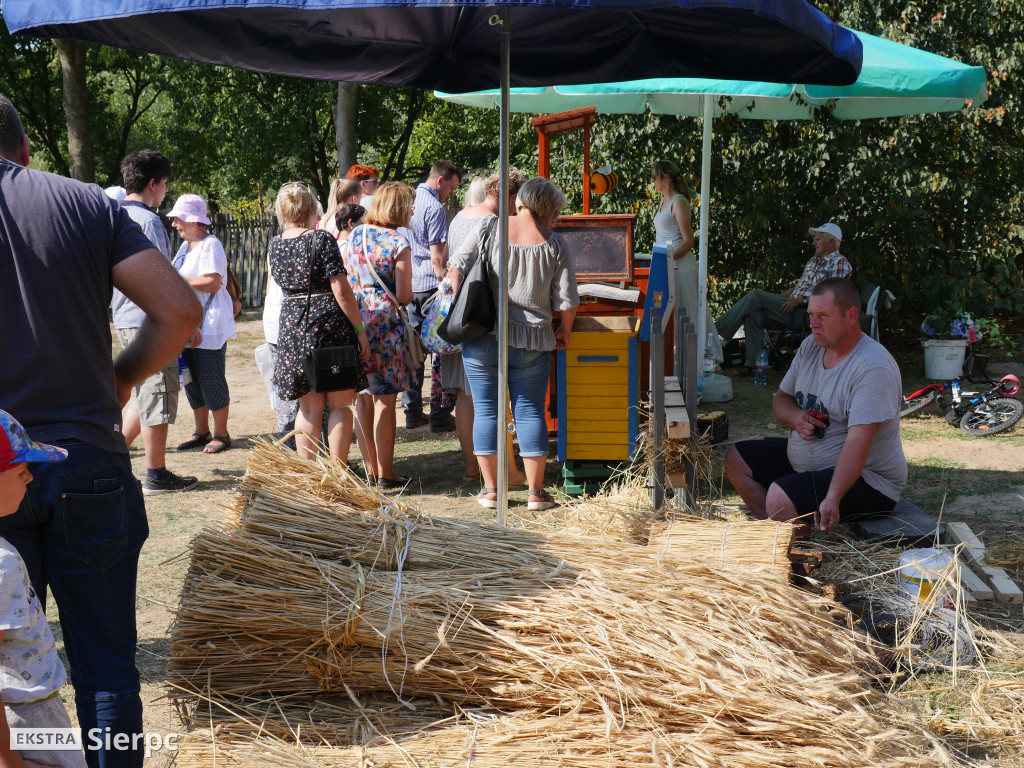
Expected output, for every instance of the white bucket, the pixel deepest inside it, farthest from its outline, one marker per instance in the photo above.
(927, 576)
(944, 358)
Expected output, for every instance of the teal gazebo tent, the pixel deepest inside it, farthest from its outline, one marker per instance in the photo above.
(895, 80)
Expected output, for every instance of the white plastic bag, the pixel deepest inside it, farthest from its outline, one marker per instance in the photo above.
(265, 360)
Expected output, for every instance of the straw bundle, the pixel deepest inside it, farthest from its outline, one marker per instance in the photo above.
(572, 740)
(739, 543)
(597, 652)
(757, 667)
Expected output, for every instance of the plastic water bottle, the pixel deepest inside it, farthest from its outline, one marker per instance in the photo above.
(761, 367)
(708, 364)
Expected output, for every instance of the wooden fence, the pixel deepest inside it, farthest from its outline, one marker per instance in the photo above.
(245, 241)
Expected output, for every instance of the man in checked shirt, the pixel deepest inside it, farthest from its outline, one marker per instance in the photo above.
(760, 310)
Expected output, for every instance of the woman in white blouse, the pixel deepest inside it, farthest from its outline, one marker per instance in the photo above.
(201, 261)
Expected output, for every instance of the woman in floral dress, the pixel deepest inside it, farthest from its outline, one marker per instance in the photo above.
(308, 267)
(376, 242)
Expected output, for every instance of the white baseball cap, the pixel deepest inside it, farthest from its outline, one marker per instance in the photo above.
(830, 229)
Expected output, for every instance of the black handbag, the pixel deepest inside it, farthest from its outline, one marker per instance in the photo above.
(473, 311)
(332, 369)
(328, 369)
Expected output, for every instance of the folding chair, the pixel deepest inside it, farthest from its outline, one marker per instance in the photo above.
(875, 300)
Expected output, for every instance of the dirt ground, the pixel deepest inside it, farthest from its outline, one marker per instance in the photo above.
(949, 463)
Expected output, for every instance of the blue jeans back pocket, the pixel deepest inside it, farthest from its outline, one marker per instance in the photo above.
(95, 528)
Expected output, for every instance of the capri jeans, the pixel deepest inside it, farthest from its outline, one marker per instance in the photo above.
(527, 383)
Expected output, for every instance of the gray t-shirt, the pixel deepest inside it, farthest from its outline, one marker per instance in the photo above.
(29, 666)
(865, 388)
(59, 242)
(126, 313)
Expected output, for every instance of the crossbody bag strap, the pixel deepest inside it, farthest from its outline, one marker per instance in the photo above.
(376, 277)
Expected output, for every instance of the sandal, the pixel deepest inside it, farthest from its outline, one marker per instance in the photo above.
(196, 441)
(486, 503)
(218, 444)
(468, 478)
(543, 501)
(392, 483)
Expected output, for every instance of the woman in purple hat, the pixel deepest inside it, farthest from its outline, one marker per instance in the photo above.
(204, 265)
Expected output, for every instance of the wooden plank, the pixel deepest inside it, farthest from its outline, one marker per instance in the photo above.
(971, 547)
(674, 400)
(678, 423)
(970, 581)
(1005, 590)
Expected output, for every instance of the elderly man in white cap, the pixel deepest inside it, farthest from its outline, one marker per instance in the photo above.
(760, 310)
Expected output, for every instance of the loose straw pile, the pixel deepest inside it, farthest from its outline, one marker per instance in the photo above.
(583, 651)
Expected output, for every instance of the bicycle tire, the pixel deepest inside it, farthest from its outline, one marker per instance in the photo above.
(918, 402)
(996, 415)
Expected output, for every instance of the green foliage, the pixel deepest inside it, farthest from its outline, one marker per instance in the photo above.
(931, 206)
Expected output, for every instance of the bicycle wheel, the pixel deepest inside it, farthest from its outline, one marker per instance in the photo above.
(918, 402)
(996, 415)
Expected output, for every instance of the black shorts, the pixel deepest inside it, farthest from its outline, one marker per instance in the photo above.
(769, 464)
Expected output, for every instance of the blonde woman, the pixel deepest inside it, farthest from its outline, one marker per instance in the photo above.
(542, 281)
(379, 263)
(343, 192)
(306, 263)
(672, 226)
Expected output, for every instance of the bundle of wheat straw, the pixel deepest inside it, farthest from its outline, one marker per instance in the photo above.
(731, 544)
(570, 740)
(599, 652)
(691, 651)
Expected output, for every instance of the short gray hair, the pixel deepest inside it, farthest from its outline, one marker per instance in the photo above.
(542, 198)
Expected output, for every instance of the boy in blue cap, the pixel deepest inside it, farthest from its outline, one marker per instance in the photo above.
(31, 674)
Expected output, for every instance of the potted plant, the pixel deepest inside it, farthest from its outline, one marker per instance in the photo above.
(947, 331)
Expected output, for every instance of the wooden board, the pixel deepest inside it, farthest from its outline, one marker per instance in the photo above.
(970, 581)
(972, 550)
(1006, 591)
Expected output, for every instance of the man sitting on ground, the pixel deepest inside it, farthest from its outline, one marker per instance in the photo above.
(841, 401)
(760, 310)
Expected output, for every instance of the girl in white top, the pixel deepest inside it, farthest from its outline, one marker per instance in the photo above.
(673, 228)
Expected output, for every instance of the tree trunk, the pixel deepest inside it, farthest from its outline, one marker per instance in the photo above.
(345, 125)
(76, 109)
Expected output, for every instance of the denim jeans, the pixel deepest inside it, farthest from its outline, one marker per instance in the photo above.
(528, 373)
(80, 530)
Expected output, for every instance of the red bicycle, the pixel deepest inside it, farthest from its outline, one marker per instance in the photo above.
(976, 413)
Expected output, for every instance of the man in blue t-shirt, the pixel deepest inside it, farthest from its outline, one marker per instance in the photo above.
(81, 526)
(429, 243)
(155, 402)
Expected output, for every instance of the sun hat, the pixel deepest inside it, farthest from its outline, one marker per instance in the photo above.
(16, 447)
(830, 229)
(189, 208)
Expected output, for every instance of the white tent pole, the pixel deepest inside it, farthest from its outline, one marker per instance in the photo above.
(705, 207)
(503, 214)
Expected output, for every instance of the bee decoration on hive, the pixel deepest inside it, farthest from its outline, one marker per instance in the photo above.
(603, 180)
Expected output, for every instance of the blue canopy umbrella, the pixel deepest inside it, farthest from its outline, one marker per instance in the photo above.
(464, 45)
(894, 80)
